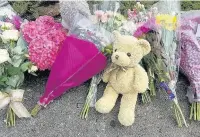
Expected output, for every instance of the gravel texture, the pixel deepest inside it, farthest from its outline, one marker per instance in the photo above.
(61, 118)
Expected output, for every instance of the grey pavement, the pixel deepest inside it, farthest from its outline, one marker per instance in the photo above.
(61, 117)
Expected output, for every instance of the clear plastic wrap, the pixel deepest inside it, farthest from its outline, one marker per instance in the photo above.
(162, 64)
(167, 19)
(86, 30)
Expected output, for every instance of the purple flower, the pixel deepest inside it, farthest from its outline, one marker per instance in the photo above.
(166, 88)
(16, 20)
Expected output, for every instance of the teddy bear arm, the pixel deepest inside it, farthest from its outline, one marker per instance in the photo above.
(107, 73)
(140, 80)
(106, 77)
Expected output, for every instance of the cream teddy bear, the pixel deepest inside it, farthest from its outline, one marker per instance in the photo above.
(124, 76)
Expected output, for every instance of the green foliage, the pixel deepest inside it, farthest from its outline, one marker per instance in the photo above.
(125, 5)
(30, 9)
(12, 72)
(190, 5)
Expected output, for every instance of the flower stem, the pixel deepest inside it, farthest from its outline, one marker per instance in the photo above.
(35, 110)
(146, 97)
(191, 111)
(91, 96)
(195, 111)
(180, 117)
(10, 118)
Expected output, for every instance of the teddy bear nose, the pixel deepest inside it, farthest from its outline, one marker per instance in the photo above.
(116, 56)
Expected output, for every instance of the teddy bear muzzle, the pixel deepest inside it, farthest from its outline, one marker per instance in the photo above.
(120, 58)
(116, 57)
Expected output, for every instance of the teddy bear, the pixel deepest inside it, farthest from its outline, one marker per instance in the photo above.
(124, 76)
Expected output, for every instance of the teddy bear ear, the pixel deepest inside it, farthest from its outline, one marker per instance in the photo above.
(116, 35)
(145, 46)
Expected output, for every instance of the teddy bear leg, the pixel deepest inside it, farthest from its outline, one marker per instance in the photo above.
(126, 114)
(107, 101)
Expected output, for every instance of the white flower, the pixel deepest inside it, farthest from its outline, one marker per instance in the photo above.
(138, 3)
(8, 35)
(33, 69)
(7, 26)
(142, 6)
(4, 56)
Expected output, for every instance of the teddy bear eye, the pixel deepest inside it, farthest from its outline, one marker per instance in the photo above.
(115, 50)
(129, 54)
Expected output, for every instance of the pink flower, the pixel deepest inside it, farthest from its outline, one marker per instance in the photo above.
(104, 18)
(99, 13)
(132, 14)
(43, 52)
(45, 37)
(16, 20)
(29, 31)
(146, 27)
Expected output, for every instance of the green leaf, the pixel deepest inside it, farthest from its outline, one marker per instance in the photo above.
(16, 80)
(16, 60)
(2, 85)
(13, 70)
(25, 66)
(3, 78)
(1, 70)
(21, 46)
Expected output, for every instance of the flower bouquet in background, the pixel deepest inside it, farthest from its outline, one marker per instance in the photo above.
(80, 56)
(190, 56)
(13, 63)
(148, 29)
(170, 57)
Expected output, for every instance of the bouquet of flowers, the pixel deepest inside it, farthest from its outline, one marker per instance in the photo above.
(171, 58)
(80, 56)
(148, 29)
(190, 51)
(13, 63)
(163, 61)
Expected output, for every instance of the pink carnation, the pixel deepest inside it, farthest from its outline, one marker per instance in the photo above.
(45, 37)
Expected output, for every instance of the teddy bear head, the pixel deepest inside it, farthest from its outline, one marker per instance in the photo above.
(128, 50)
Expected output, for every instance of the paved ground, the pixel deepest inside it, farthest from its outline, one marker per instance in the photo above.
(61, 118)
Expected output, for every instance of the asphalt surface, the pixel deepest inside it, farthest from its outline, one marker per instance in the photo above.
(61, 117)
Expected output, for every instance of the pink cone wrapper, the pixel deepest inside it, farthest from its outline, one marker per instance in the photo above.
(77, 61)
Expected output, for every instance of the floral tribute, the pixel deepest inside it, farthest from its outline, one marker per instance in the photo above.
(45, 37)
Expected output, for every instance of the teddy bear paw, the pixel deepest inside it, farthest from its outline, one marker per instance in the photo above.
(103, 106)
(126, 118)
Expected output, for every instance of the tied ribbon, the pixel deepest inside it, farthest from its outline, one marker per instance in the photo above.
(14, 100)
(115, 67)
